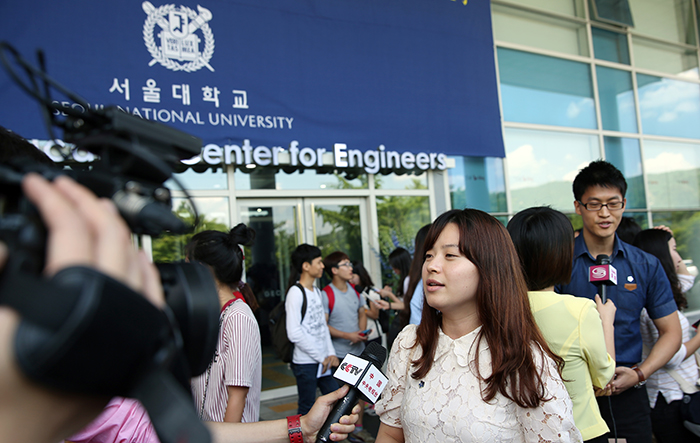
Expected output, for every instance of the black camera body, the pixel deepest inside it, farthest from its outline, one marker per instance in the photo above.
(82, 331)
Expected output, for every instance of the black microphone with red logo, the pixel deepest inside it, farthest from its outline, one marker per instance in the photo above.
(366, 381)
(602, 274)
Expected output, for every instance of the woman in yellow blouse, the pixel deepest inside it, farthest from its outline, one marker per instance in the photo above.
(573, 328)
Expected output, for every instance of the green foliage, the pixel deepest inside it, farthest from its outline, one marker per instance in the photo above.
(399, 219)
(345, 232)
(575, 220)
(170, 248)
(345, 183)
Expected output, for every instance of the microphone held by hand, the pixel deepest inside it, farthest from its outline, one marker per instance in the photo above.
(602, 274)
(366, 382)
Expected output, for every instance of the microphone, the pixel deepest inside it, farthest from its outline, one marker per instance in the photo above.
(366, 382)
(602, 274)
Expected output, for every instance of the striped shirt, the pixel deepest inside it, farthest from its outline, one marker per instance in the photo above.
(661, 381)
(237, 362)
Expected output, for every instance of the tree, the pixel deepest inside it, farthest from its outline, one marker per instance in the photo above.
(170, 248)
(399, 219)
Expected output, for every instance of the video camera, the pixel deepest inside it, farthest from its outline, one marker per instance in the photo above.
(82, 331)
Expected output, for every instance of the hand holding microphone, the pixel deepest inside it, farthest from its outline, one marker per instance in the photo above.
(366, 382)
(602, 274)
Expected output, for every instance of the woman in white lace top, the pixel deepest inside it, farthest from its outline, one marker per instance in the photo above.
(477, 368)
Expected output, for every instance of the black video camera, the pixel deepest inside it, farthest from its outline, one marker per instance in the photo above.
(81, 330)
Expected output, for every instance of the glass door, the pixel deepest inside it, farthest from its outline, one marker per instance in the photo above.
(338, 225)
(281, 225)
(277, 232)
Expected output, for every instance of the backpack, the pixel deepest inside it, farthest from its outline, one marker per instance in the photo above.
(278, 328)
(331, 296)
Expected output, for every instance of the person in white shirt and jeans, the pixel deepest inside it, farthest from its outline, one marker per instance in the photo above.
(314, 353)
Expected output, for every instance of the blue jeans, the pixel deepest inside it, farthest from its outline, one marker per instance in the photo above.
(307, 383)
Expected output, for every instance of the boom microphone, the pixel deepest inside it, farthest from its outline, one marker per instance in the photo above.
(365, 379)
(602, 274)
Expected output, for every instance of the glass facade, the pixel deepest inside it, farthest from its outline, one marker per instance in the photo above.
(542, 165)
(545, 90)
(307, 179)
(610, 45)
(577, 85)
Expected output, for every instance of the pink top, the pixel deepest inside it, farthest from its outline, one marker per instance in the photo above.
(123, 420)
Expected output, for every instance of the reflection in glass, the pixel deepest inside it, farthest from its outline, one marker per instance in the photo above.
(617, 109)
(565, 7)
(666, 58)
(670, 20)
(210, 178)
(616, 12)
(540, 31)
(267, 261)
(478, 182)
(337, 228)
(399, 218)
(672, 174)
(410, 180)
(640, 217)
(311, 179)
(503, 219)
(267, 267)
(685, 226)
(542, 166)
(213, 215)
(545, 90)
(576, 221)
(625, 154)
(610, 46)
(669, 107)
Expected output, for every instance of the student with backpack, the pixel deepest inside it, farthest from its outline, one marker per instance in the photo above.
(313, 354)
(347, 318)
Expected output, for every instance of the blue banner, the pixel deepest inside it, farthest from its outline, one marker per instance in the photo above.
(411, 75)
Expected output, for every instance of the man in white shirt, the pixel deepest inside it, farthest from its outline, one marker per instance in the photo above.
(314, 354)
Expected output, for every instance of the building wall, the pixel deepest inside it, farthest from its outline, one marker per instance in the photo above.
(574, 89)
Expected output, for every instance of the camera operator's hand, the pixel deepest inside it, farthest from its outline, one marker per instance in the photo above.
(82, 230)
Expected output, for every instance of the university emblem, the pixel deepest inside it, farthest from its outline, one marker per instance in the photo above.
(177, 32)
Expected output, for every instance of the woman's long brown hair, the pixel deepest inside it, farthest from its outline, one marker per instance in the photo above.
(508, 326)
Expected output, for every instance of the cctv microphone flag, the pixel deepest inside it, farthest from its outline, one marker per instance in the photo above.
(365, 379)
(362, 375)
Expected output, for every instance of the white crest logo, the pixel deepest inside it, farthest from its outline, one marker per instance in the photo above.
(599, 272)
(178, 39)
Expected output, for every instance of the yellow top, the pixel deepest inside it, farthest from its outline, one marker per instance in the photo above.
(573, 329)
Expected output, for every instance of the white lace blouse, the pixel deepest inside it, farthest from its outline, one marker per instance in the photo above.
(446, 406)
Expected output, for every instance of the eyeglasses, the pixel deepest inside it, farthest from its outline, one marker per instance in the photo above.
(349, 265)
(597, 206)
